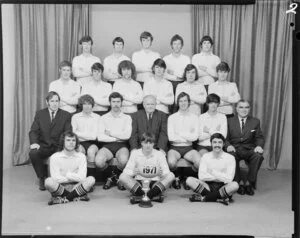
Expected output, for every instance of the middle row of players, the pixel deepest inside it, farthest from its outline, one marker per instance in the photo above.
(116, 134)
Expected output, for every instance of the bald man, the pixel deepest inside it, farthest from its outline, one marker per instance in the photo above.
(149, 119)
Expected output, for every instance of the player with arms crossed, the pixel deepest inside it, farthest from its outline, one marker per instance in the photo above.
(216, 173)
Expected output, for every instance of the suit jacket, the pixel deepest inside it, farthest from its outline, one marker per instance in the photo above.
(47, 133)
(248, 139)
(141, 124)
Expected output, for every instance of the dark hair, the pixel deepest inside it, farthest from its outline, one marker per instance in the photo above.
(126, 64)
(159, 62)
(65, 63)
(223, 66)
(68, 133)
(86, 98)
(206, 38)
(175, 38)
(86, 39)
(243, 100)
(218, 136)
(115, 95)
(148, 137)
(181, 95)
(190, 67)
(212, 98)
(97, 66)
(118, 39)
(51, 94)
(145, 35)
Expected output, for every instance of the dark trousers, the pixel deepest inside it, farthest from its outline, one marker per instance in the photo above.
(38, 158)
(252, 159)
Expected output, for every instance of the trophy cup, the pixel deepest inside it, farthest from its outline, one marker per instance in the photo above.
(146, 202)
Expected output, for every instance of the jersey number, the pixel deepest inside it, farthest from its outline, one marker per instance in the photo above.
(149, 170)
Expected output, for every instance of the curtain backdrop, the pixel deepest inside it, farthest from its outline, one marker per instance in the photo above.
(47, 34)
(256, 42)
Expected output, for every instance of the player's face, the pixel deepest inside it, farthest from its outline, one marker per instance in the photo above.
(159, 71)
(116, 104)
(206, 46)
(222, 75)
(176, 46)
(149, 104)
(147, 146)
(69, 143)
(65, 72)
(96, 74)
(183, 103)
(243, 109)
(87, 107)
(118, 46)
(53, 103)
(126, 73)
(212, 107)
(86, 46)
(146, 42)
(217, 144)
(191, 75)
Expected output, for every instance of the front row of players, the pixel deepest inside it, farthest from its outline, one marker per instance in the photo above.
(115, 128)
(69, 182)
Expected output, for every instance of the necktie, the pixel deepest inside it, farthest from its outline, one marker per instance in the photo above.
(243, 124)
(52, 116)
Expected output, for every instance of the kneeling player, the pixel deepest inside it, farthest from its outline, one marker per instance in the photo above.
(68, 179)
(147, 163)
(216, 172)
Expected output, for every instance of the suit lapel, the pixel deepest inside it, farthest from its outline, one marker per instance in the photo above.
(237, 125)
(55, 118)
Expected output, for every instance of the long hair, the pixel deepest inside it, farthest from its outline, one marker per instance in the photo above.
(67, 134)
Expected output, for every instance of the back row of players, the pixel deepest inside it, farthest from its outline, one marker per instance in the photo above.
(105, 137)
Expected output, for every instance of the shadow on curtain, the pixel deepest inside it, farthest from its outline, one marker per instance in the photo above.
(256, 42)
(47, 34)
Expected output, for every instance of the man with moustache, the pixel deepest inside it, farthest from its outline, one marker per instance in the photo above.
(245, 141)
(215, 175)
(152, 120)
(47, 127)
(114, 130)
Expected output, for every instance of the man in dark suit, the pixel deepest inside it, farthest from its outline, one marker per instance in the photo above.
(46, 129)
(245, 141)
(149, 120)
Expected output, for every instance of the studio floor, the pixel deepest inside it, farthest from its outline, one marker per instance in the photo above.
(267, 214)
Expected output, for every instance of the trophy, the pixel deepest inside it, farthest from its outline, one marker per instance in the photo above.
(146, 202)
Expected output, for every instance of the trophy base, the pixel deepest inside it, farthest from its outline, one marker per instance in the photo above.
(145, 204)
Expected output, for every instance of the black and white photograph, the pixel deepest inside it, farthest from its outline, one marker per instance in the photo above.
(149, 119)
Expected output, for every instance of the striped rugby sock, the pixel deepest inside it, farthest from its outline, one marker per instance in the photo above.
(60, 192)
(77, 192)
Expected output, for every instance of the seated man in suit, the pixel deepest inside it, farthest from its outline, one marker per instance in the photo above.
(147, 163)
(48, 125)
(245, 141)
(215, 176)
(114, 130)
(68, 181)
(182, 131)
(152, 120)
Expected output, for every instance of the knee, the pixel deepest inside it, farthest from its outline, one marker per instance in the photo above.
(123, 177)
(122, 160)
(90, 181)
(190, 181)
(49, 183)
(234, 186)
(34, 154)
(81, 149)
(100, 161)
(172, 162)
